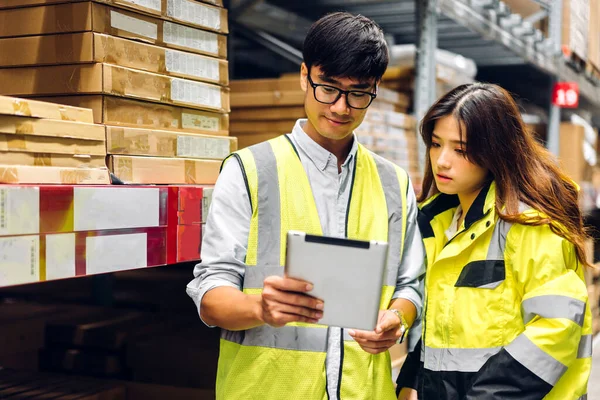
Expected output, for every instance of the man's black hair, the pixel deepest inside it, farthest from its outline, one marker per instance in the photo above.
(346, 45)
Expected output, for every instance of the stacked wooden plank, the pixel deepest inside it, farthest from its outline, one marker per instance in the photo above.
(48, 143)
(154, 72)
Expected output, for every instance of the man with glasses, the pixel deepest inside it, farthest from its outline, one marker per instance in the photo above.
(320, 180)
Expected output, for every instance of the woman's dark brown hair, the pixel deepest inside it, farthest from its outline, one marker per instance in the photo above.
(524, 171)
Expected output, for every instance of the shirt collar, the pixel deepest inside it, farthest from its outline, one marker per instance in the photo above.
(317, 154)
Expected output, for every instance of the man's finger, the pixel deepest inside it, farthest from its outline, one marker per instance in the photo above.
(371, 335)
(294, 299)
(387, 322)
(288, 284)
(385, 344)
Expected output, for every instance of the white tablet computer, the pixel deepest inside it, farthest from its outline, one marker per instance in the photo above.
(347, 275)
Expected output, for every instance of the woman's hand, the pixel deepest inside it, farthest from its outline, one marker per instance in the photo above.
(408, 394)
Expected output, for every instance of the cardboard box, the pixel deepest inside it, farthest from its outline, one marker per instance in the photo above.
(594, 34)
(120, 111)
(146, 142)
(156, 170)
(142, 5)
(51, 128)
(570, 154)
(285, 84)
(89, 47)
(114, 80)
(267, 113)
(248, 127)
(100, 18)
(39, 109)
(576, 27)
(52, 160)
(267, 99)
(53, 175)
(248, 139)
(52, 145)
(188, 12)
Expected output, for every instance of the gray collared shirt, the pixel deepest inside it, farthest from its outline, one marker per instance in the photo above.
(224, 244)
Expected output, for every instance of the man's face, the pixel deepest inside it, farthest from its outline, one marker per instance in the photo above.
(333, 121)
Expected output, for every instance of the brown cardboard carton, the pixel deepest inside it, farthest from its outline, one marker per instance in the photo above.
(282, 126)
(267, 113)
(571, 152)
(53, 145)
(53, 175)
(40, 109)
(111, 79)
(148, 142)
(52, 159)
(594, 34)
(187, 12)
(248, 139)
(143, 5)
(267, 99)
(89, 47)
(576, 26)
(111, 110)
(158, 170)
(53, 128)
(101, 18)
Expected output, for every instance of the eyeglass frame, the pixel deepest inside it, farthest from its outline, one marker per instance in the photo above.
(340, 93)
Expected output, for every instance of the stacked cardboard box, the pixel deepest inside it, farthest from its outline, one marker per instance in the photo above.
(576, 28)
(262, 109)
(48, 143)
(56, 232)
(154, 72)
(392, 135)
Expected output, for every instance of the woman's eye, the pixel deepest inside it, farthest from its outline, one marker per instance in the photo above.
(434, 144)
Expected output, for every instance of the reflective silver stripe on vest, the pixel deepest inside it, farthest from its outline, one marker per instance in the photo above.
(554, 306)
(585, 347)
(393, 199)
(584, 397)
(496, 248)
(287, 337)
(255, 275)
(457, 360)
(536, 360)
(268, 203)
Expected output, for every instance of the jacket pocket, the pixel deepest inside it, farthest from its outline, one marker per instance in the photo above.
(484, 274)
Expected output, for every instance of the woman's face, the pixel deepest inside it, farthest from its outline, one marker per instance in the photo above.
(453, 172)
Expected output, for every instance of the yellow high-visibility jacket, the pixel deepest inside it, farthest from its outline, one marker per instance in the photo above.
(507, 313)
(289, 362)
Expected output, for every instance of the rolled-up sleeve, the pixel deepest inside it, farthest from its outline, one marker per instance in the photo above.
(225, 240)
(411, 271)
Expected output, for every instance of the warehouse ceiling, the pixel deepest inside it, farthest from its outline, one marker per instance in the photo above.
(267, 40)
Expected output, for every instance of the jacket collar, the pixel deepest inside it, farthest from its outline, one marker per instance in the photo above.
(439, 203)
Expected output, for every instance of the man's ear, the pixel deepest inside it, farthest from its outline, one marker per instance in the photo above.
(303, 75)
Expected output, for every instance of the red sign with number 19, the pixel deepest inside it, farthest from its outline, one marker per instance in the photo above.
(566, 95)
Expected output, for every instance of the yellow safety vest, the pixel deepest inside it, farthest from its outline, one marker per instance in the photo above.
(289, 362)
(506, 307)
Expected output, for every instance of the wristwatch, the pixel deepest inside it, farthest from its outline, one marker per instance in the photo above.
(403, 325)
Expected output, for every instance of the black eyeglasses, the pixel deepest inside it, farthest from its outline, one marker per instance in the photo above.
(326, 94)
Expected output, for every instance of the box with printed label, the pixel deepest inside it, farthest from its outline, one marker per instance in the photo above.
(102, 18)
(112, 110)
(147, 142)
(141, 5)
(188, 12)
(114, 80)
(26, 174)
(89, 47)
(162, 170)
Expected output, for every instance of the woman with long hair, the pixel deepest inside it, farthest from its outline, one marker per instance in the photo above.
(507, 313)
